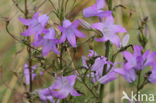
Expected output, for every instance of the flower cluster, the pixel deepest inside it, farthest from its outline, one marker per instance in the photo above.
(46, 37)
(102, 69)
(138, 61)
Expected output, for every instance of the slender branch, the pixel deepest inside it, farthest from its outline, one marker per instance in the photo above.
(52, 5)
(104, 70)
(29, 56)
(39, 6)
(16, 4)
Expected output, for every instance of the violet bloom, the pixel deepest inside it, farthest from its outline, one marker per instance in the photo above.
(152, 77)
(60, 89)
(128, 74)
(70, 31)
(48, 42)
(26, 73)
(137, 60)
(63, 86)
(96, 10)
(97, 69)
(36, 25)
(109, 30)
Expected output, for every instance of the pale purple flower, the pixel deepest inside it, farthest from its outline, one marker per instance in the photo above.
(96, 10)
(109, 30)
(137, 60)
(48, 42)
(128, 74)
(70, 31)
(152, 77)
(64, 86)
(97, 68)
(26, 73)
(36, 25)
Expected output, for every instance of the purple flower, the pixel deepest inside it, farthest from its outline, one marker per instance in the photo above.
(60, 89)
(48, 42)
(137, 60)
(35, 25)
(70, 31)
(109, 30)
(97, 68)
(97, 71)
(26, 73)
(63, 86)
(96, 10)
(152, 77)
(128, 74)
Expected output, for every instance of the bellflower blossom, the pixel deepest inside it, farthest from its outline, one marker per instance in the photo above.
(137, 60)
(97, 69)
(69, 31)
(48, 41)
(60, 89)
(26, 73)
(36, 25)
(96, 10)
(109, 30)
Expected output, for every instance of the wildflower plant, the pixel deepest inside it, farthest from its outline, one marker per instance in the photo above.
(87, 78)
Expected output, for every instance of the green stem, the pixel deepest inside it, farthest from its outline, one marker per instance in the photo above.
(104, 71)
(107, 56)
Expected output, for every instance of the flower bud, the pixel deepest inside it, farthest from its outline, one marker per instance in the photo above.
(85, 24)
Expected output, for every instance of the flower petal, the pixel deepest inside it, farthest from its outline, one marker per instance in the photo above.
(100, 4)
(90, 11)
(63, 38)
(55, 50)
(25, 21)
(115, 40)
(104, 13)
(72, 39)
(66, 23)
(118, 28)
(43, 19)
(79, 34)
(98, 26)
(74, 92)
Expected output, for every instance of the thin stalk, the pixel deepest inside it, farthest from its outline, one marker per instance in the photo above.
(138, 84)
(107, 56)
(104, 71)
(30, 55)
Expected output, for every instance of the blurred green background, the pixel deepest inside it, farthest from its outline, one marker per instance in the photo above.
(13, 55)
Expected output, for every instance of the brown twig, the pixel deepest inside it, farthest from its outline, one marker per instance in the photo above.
(16, 4)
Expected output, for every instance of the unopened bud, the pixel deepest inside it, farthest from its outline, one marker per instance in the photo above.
(85, 24)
